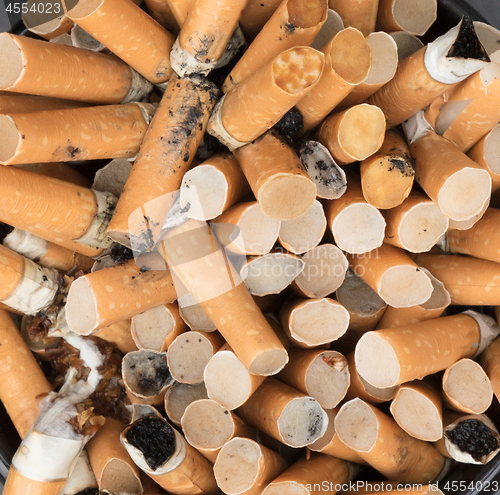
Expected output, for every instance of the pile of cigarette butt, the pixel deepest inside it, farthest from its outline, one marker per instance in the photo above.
(249, 247)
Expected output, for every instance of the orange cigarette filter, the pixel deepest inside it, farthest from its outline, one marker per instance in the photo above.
(266, 96)
(412, 16)
(490, 361)
(58, 170)
(119, 333)
(180, 9)
(485, 154)
(255, 15)
(26, 382)
(129, 32)
(347, 64)
(277, 178)
(295, 23)
(19, 103)
(37, 68)
(114, 131)
(360, 14)
(17, 483)
(353, 134)
(165, 156)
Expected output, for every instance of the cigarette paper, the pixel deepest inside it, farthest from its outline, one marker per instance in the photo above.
(360, 14)
(295, 23)
(245, 467)
(466, 387)
(208, 427)
(255, 15)
(393, 276)
(417, 408)
(285, 414)
(313, 322)
(33, 20)
(353, 134)
(490, 361)
(119, 333)
(156, 328)
(82, 478)
(385, 358)
(265, 96)
(58, 170)
(347, 64)
(189, 353)
(387, 176)
(114, 469)
(414, 17)
(384, 65)
(485, 154)
(333, 25)
(107, 296)
(381, 442)
(210, 188)
(416, 224)
(164, 455)
(186, 105)
(428, 73)
(67, 72)
(147, 51)
(324, 271)
(18, 103)
(323, 375)
(273, 171)
(196, 318)
(407, 44)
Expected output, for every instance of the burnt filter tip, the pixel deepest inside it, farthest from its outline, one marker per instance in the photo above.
(474, 438)
(467, 44)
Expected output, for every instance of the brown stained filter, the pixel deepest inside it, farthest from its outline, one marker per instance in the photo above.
(255, 14)
(360, 14)
(412, 16)
(486, 152)
(490, 361)
(178, 398)
(19, 103)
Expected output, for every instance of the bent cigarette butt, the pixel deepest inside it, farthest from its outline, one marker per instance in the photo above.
(413, 17)
(416, 224)
(360, 14)
(294, 23)
(244, 466)
(347, 64)
(255, 15)
(485, 154)
(119, 333)
(333, 25)
(393, 276)
(212, 187)
(208, 427)
(387, 176)
(82, 478)
(353, 134)
(227, 380)
(107, 296)
(58, 170)
(379, 440)
(18, 103)
(273, 170)
(158, 327)
(324, 271)
(490, 361)
(417, 408)
(284, 414)
(432, 308)
(114, 469)
(407, 44)
(179, 396)
(67, 72)
(313, 322)
(196, 318)
(466, 387)
(265, 96)
(323, 375)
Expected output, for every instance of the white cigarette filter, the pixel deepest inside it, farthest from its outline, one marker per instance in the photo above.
(414, 17)
(384, 445)
(485, 154)
(385, 358)
(196, 318)
(407, 44)
(333, 25)
(113, 176)
(178, 398)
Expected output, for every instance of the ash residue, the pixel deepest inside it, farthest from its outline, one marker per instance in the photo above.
(402, 165)
(474, 437)
(291, 124)
(467, 44)
(290, 27)
(316, 423)
(120, 254)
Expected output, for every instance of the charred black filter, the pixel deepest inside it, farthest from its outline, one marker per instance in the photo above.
(467, 44)
(474, 437)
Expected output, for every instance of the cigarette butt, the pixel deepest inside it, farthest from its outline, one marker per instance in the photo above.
(147, 51)
(114, 469)
(196, 318)
(244, 466)
(47, 30)
(255, 15)
(67, 72)
(424, 76)
(323, 375)
(488, 35)
(393, 276)
(112, 177)
(81, 39)
(161, 12)
(380, 441)
(415, 17)
(227, 380)
(385, 358)
(360, 14)
(271, 273)
(74, 134)
(208, 427)
(407, 44)
(180, 9)
(466, 387)
(384, 64)
(415, 225)
(308, 471)
(18, 103)
(485, 155)
(331, 444)
(285, 414)
(490, 361)
(58, 170)
(21, 372)
(107, 296)
(417, 408)
(295, 23)
(82, 478)
(158, 327)
(332, 26)
(178, 398)
(186, 104)
(212, 187)
(313, 322)
(189, 353)
(387, 176)
(273, 171)
(170, 461)
(119, 333)
(17, 483)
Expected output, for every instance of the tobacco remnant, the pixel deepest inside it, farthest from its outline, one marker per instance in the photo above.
(474, 437)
